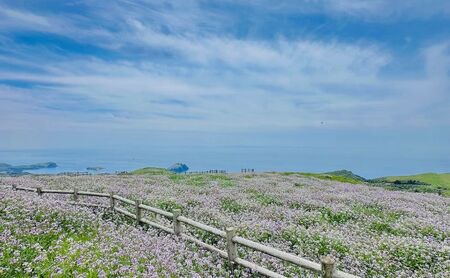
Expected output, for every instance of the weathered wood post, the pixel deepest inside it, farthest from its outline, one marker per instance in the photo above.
(231, 246)
(138, 212)
(176, 222)
(75, 195)
(39, 191)
(112, 201)
(328, 266)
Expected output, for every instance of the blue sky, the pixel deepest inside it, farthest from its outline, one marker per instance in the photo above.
(94, 73)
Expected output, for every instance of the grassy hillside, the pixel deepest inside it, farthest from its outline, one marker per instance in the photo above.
(431, 182)
(428, 182)
(150, 171)
(340, 175)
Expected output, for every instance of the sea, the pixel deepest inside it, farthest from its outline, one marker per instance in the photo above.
(369, 164)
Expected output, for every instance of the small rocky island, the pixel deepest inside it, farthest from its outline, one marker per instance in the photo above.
(178, 168)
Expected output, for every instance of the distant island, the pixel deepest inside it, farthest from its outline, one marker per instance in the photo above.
(10, 169)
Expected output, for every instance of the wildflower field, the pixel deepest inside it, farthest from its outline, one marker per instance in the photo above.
(372, 232)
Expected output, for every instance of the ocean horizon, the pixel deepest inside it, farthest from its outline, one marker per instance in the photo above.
(229, 158)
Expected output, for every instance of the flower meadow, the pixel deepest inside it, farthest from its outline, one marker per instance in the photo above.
(372, 232)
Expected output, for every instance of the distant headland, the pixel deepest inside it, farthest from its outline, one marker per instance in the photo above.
(10, 169)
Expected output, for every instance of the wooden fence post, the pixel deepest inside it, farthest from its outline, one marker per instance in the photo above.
(39, 191)
(75, 195)
(138, 212)
(328, 266)
(231, 246)
(176, 223)
(112, 201)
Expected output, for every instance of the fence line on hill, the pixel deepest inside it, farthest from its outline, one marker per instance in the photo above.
(206, 172)
(326, 269)
(246, 170)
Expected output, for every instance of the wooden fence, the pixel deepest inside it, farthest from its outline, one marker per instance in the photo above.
(325, 269)
(245, 170)
(207, 172)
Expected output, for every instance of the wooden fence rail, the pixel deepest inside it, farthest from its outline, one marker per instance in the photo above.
(326, 269)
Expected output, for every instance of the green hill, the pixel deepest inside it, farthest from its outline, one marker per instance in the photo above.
(150, 171)
(340, 176)
(347, 174)
(427, 182)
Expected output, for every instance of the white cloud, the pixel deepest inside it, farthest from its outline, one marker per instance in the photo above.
(12, 18)
(228, 83)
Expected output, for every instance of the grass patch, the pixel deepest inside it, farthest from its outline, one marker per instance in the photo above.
(224, 181)
(177, 177)
(336, 217)
(326, 215)
(288, 173)
(192, 180)
(384, 227)
(430, 231)
(264, 236)
(231, 205)
(377, 211)
(202, 179)
(308, 221)
(168, 205)
(413, 256)
(197, 180)
(323, 245)
(305, 206)
(384, 219)
(331, 177)
(266, 199)
(227, 183)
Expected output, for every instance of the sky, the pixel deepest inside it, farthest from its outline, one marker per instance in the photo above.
(92, 74)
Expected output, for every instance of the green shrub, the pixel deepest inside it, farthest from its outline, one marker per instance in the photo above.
(308, 221)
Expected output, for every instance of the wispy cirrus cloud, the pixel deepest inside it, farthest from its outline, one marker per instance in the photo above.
(367, 9)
